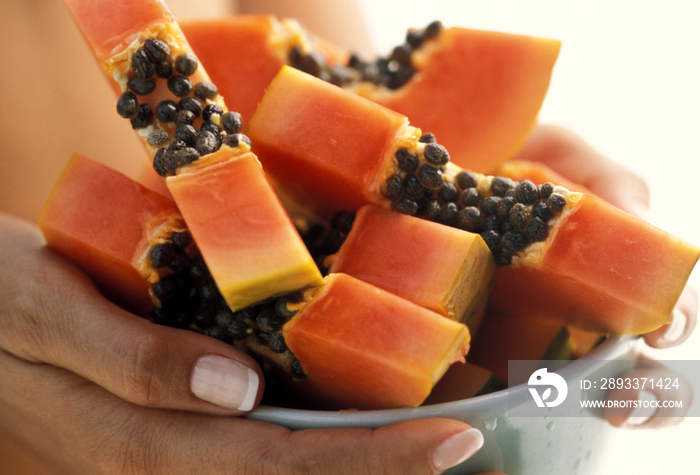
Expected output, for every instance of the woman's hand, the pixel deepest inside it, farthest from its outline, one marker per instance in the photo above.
(89, 388)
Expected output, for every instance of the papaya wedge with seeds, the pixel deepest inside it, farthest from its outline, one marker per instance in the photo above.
(478, 91)
(116, 32)
(588, 264)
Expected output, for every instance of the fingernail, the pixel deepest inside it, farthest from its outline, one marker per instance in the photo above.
(638, 209)
(225, 382)
(675, 329)
(457, 449)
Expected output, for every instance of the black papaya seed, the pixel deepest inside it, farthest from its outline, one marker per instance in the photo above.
(406, 160)
(520, 216)
(393, 188)
(469, 219)
(128, 105)
(501, 185)
(436, 154)
(186, 64)
(466, 179)
(157, 49)
(232, 122)
(142, 65)
(144, 118)
(179, 85)
(430, 177)
(514, 241)
(166, 111)
(526, 192)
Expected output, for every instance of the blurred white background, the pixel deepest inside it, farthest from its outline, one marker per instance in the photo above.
(628, 81)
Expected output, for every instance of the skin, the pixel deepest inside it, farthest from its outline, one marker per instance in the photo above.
(90, 388)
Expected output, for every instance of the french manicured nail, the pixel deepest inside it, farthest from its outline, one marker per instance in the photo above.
(457, 449)
(675, 329)
(225, 382)
(638, 209)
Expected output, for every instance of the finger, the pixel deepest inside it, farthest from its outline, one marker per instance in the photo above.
(656, 396)
(51, 313)
(683, 322)
(425, 446)
(569, 155)
(82, 427)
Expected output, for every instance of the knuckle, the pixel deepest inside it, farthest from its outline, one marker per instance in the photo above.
(21, 332)
(143, 363)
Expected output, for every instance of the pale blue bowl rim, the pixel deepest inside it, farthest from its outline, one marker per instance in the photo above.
(490, 403)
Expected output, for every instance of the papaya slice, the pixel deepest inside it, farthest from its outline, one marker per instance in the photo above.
(563, 254)
(485, 107)
(325, 176)
(77, 222)
(462, 381)
(582, 342)
(345, 332)
(447, 270)
(478, 91)
(252, 244)
(172, 104)
(243, 53)
(601, 270)
(503, 337)
(365, 348)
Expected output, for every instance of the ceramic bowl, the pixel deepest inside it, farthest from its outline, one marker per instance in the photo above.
(513, 445)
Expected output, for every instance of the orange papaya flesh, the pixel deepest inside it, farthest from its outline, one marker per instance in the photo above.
(325, 165)
(111, 226)
(196, 175)
(447, 270)
(462, 381)
(582, 342)
(521, 222)
(365, 348)
(252, 245)
(503, 337)
(110, 27)
(148, 177)
(243, 53)
(77, 222)
(602, 271)
(239, 56)
(478, 91)
(194, 131)
(138, 25)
